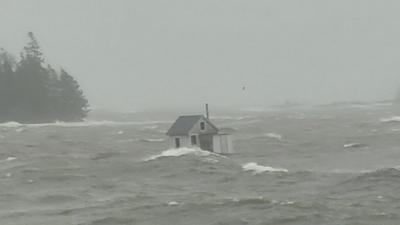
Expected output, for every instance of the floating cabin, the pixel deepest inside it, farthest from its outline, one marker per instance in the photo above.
(199, 131)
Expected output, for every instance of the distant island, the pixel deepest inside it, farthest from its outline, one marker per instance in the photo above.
(33, 92)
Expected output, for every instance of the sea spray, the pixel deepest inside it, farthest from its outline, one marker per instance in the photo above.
(390, 119)
(180, 152)
(354, 145)
(11, 124)
(257, 169)
(276, 136)
(85, 123)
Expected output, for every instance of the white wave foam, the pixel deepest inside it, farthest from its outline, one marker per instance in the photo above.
(287, 203)
(11, 158)
(274, 136)
(210, 160)
(257, 169)
(86, 123)
(8, 159)
(11, 125)
(151, 127)
(173, 203)
(153, 140)
(179, 152)
(354, 145)
(390, 119)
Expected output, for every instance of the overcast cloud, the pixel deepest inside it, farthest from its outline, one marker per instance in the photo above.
(131, 55)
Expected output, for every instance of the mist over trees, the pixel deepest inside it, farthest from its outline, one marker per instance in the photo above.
(31, 92)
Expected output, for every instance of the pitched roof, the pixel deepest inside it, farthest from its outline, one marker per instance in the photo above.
(184, 124)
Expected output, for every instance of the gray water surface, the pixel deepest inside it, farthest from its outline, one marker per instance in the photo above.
(97, 172)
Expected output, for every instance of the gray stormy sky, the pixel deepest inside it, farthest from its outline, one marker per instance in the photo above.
(131, 54)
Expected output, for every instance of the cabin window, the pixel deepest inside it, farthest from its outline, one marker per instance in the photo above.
(194, 140)
(202, 125)
(177, 142)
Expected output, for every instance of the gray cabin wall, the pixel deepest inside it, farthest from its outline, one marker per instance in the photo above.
(185, 141)
(204, 138)
(209, 129)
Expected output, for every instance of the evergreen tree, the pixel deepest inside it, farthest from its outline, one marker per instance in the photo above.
(32, 50)
(53, 94)
(73, 102)
(31, 80)
(7, 91)
(31, 93)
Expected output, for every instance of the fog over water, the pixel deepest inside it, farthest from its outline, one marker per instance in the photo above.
(131, 55)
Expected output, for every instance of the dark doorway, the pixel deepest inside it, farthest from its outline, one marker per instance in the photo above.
(206, 142)
(194, 139)
(177, 142)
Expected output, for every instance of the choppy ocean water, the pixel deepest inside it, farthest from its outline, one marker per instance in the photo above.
(321, 165)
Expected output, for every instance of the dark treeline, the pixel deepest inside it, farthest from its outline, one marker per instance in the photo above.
(31, 92)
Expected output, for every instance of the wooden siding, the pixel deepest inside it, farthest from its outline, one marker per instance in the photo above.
(209, 129)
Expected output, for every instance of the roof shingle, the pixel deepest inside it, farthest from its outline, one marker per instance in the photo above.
(183, 125)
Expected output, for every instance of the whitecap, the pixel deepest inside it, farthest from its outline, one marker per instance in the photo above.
(257, 169)
(152, 127)
(274, 136)
(11, 124)
(390, 119)
(85, 123)
(153, 140)
(11, 158)
(287, 203)
(173, 203)
(274, 202)
(235, 200)
(120, 132)
(179, 152)
(210, 160)
(354, 145)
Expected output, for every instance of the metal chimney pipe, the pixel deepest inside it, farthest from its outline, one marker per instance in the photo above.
(207, 113)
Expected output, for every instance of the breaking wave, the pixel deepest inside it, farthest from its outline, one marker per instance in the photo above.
(257, 169)
(86, 123)
(276, 136)
(354, 145)
(390, 119)
(9, 159)
(180, 152)
(11, 124)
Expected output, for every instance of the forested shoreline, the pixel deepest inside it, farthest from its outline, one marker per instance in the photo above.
(32, 91)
